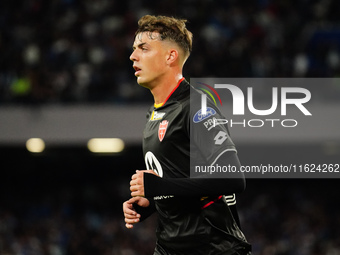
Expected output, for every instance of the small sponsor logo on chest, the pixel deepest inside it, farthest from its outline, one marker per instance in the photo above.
(162, 129)
(157, 115)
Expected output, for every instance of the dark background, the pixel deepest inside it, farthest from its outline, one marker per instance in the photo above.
(67, 200)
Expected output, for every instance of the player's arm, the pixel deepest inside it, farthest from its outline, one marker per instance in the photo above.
(144, 183)
(137, 209)
(145, 211)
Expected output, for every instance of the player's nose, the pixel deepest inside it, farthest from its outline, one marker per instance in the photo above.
(133, 56)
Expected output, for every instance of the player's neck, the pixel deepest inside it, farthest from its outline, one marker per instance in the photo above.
(163, 89)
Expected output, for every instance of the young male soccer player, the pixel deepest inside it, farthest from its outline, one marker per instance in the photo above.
(194, 215)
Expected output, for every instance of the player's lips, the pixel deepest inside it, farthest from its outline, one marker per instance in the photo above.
(137, 69)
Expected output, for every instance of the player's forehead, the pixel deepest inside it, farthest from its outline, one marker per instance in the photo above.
(146, 38)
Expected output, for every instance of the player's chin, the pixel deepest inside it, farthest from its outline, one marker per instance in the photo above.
(142, 82)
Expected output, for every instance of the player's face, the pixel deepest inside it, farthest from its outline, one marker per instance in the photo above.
(149, 59)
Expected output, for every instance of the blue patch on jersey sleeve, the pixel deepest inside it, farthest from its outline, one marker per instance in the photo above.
(198, 117)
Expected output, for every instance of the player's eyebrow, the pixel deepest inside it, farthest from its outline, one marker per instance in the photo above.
(139, 45)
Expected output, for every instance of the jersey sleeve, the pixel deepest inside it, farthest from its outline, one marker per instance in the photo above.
(209, 137)
(145, 212)
(189, 187)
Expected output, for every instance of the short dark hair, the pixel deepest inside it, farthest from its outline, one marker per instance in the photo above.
(169, 28)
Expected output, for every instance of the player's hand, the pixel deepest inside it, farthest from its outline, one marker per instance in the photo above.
(137, 182)
(130, 214)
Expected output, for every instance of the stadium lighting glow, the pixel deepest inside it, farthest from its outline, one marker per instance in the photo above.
(105, 145)
(35, 145)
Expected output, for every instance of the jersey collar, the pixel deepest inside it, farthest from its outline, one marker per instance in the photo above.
(171, 93)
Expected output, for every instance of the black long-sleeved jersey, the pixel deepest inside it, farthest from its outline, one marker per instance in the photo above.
(196, 216)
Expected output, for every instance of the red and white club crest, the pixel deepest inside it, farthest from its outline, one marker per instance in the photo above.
(162, 129)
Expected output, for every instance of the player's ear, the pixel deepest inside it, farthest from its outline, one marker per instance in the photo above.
(172, 56)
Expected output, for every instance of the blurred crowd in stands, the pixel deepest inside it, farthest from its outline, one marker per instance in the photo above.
(88, 220)
(81, 220)
(69, 202)
(72, 51)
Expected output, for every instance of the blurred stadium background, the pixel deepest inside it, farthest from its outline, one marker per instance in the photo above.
(66, 77)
